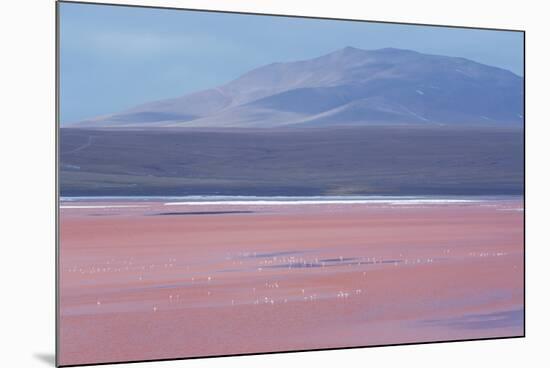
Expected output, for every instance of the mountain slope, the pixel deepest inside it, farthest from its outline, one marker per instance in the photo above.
(346, 87)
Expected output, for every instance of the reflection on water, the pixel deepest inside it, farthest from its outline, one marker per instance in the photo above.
(194, 213)
(268, 255)
(510, 318)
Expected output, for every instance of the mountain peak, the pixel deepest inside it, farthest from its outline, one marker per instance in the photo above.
(351, 49)
(386, 50)
(353, 54)
(347, 51)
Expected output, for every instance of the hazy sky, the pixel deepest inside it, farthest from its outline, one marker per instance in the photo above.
(113, 58)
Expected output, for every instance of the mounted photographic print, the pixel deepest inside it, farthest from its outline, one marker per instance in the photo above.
(233, 183)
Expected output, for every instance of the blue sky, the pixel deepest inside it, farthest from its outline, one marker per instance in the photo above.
(113, 58)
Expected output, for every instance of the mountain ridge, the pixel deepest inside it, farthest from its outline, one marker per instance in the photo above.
(349, 86)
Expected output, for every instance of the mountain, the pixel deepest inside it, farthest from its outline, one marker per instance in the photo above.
(347, 87)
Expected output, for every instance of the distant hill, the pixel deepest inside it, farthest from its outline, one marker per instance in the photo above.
(409, 160)
(347, 87)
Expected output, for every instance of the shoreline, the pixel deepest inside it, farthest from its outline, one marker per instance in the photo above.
(327, 198)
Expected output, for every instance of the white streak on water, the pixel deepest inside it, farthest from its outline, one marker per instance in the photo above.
(91, 206)
(314, 202)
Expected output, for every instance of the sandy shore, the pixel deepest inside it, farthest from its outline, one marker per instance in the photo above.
(143, 280)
